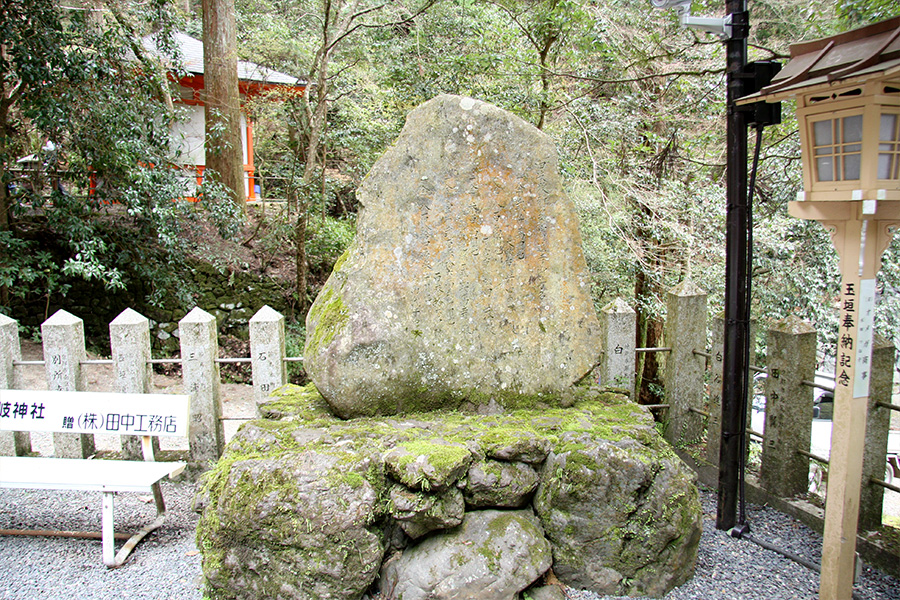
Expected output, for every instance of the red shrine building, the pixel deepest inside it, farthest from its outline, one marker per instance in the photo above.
(253, 79)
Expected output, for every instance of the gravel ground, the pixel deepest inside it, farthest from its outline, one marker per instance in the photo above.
(166, 565)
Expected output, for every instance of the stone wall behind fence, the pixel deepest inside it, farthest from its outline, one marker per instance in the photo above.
(232, 297)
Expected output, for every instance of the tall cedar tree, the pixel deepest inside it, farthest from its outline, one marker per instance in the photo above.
(224, 155)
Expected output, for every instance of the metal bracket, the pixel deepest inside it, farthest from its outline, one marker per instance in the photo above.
(721, 28)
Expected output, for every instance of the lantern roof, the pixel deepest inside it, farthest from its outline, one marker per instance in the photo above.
(851, 57)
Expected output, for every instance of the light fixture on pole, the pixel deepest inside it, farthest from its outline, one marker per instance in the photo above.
(847, 89)
(719, 27)
(742, 79)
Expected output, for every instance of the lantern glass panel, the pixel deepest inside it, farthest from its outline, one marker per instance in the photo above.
(837, 146)
(889, 147)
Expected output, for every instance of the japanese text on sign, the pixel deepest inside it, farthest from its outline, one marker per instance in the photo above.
(121, 423)
(855, 332)
(21, 410)
(865, 333)
(94, 412)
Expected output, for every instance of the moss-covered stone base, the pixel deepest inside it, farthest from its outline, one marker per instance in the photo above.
(305, 505)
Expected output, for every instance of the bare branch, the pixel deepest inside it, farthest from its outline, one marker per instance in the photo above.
(515, 19)
(343, 69)
(599, 81)
(773, 54)
(422, 9)
(155, 71)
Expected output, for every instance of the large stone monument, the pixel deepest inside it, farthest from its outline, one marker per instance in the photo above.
(451, 445)
(466, 283)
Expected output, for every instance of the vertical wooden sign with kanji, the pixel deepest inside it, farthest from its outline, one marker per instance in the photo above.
(860, 231)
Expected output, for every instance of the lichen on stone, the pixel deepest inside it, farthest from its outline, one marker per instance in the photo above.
(329, 316)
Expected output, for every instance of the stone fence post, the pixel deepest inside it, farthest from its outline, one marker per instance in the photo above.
(717, 378)
(63, 336)
(200, 371)
(12, 443)
(618, 327)
(684, 371)
(878, 424)
(791, 358)
(267, 352)
(129, 337)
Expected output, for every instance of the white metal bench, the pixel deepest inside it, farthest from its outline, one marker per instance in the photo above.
(145, 415)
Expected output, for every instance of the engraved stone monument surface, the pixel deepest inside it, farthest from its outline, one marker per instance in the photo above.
(466, 285)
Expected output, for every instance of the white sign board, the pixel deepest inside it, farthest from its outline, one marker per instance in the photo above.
(864, 337)
(94, 412)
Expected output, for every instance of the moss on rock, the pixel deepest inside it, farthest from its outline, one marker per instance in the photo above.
(303, 479)
(329, 316)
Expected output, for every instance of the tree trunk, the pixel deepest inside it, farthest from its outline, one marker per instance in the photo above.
(6, 101)
(315, 118)
(297, 203)
(544, 106)
(649, 335)
(300, 257)
(647, 291)
(224, 150)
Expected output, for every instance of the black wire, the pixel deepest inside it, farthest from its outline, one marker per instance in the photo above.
(742, 462)
(743, 531)
(794, 557)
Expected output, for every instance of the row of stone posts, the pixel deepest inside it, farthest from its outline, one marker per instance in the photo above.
(65, 357)
(692, 401)
(693, 395)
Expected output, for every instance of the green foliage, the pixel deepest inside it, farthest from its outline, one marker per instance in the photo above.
(215, 198)
(855, 13)
(329, 239)
(70, 80)
(294, 341)
(34, 271)
(887, 314)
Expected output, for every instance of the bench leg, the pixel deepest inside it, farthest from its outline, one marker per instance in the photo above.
(112, 560)
(108, 530)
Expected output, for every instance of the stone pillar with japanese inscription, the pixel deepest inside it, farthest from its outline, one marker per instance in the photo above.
(684, 369)
(129, 336)
(199, 350)
(63, 336)
(714, 424)
(267, 352)
(791, 358)
(716, 364)
(871, 501)
(12, 443)
(618, 323)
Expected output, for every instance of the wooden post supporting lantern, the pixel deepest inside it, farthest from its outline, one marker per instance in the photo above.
(847, 89)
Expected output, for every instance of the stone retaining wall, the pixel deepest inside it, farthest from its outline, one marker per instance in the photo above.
(232, 297)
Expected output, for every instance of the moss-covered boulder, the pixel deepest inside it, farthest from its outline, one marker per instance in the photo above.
(500, 483)
(419, 513)
(297, 523)
(466, 281)
(623, 519)
(304, 505)
(492, 555)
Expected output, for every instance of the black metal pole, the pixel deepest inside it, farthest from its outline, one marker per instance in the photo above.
(737, 308)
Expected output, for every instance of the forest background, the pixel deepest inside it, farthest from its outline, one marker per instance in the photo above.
(635, 104)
